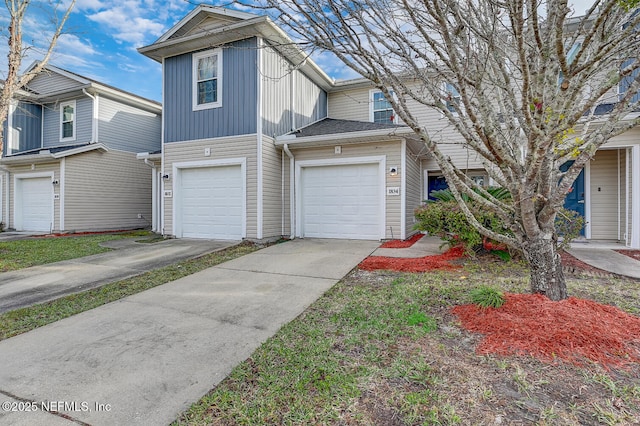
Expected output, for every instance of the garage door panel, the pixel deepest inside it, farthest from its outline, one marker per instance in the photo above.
(211, 202)
(35, 204)
(341, 201)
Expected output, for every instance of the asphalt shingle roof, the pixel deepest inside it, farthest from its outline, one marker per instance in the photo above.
(330, 126)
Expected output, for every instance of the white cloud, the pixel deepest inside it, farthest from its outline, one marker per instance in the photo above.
(126, 27)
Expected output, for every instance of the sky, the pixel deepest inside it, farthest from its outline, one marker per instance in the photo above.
(101, 38)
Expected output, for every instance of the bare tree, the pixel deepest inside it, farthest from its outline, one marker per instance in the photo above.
(524, 80)
(14, 80)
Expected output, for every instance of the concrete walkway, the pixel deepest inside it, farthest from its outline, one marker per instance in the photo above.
(39, 284)
(605, 257)
(144, 359)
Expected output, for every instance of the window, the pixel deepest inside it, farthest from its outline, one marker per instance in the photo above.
(452, 97)
(207, 79)
(68, 121)
(381, 109)
(628, 80)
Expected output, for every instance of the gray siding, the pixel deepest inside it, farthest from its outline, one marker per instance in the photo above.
(106, 191)
(51, 82)
(26, 131)
(84, 114)
(285, 90)
(238, 113)
(127, 128)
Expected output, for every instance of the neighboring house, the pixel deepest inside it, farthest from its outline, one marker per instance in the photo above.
(259, 142)
(69, 160)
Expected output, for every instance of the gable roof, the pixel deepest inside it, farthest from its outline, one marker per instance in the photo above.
(208, 26)
(90, 85)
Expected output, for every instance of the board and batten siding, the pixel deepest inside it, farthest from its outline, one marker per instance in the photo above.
(392, 152)
(354, 104)
(236, 116)
(245, 146)
(271, 189)
(83, 123)
(26, 169)
(26, 128)
(52, 82)
(106, 191)
(127, 128)
(286, 89)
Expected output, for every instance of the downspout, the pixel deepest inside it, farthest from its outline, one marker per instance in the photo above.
(154, 197)
(285, 147)
(94, 120)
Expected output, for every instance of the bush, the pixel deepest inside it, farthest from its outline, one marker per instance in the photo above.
(487, 297)
(1, 226)
(445, 219)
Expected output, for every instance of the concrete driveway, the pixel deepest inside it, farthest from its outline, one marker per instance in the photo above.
(144, 359)
(39, 284)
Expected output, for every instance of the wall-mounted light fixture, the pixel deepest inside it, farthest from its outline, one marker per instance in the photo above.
(393, 171)
(55, 182)
(167, 176)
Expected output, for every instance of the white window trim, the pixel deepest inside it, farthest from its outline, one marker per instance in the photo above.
(371, 104)
(194, 83)
(75, 120)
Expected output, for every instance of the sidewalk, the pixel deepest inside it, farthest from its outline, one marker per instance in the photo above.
(146, 358)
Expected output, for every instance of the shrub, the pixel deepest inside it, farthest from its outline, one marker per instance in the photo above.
(487, 297)
(1, 226)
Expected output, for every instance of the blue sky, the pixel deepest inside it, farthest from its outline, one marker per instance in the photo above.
(102, 37)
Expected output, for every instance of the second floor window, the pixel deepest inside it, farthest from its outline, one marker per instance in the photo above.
(207, 78)
(627, 81)
(381, 109)
(67, 120)
(452, 97)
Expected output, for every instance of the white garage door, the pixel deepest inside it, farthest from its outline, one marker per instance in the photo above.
(210, 203)
(341, 202)
(34, 197)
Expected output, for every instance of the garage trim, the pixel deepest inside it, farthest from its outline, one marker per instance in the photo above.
(242, 162)
(17, 202)
(380, 160)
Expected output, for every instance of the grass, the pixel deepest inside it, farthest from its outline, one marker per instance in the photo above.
(382, 348)
(39, 251)
(22, 320)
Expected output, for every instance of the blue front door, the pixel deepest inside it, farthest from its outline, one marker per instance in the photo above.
(575, 198)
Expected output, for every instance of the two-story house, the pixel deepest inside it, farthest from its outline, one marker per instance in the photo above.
(258, 142)
(70, 156)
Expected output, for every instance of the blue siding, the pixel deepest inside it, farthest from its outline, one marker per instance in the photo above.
(84, 120)
(26, 132)
(238, 113)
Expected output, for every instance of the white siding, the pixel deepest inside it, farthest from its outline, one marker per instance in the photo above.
(413, 174)
(106, 191)
(127, 128)
(221, 148)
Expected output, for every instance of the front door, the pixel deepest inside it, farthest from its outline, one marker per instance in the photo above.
(575, 198)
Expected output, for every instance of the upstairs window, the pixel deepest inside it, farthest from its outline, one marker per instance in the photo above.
(68, 121)
(452, 98)
(207, 79)
(381, 109)
(628, 80)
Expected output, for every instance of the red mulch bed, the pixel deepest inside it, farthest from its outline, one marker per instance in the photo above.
(573, 330)
(419, 264)
(78, 234)
(402, 243)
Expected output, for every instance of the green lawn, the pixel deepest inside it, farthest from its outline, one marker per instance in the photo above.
(382, 348)
(41, 250)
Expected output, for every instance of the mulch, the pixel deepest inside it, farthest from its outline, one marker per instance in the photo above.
(402, 243)
(419, 264)
(634, 254)
(574, 330)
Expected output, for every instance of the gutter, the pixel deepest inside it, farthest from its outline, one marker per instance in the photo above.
(8, 198)
(292, 182)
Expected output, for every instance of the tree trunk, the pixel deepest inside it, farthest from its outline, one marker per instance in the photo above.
(546, 269)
